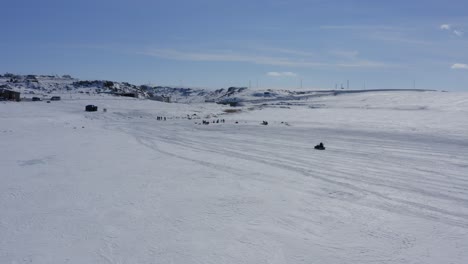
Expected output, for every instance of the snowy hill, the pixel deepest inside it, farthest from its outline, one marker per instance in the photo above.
(124, 186)
(49, 84)
(235, 96)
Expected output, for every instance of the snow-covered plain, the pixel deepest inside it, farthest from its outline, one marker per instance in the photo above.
(121, 187)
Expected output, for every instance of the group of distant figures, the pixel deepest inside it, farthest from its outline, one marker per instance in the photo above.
(217, 121)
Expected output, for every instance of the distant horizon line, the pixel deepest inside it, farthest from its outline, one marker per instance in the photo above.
(70, 76)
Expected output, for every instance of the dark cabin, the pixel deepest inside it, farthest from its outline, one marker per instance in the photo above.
(134, 95)
(161, 98)
(10, 95)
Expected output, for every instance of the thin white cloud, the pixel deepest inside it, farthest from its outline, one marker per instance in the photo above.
(445, 27)
(460, 66)
(365, 27)
(229, 56)
(287, 51)
(364, 64)
(282, 74)
(348, 54)
(459, 33)
(455, 31)
(399, 37)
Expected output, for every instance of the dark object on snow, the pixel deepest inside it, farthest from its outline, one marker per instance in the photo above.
(48, 102)
(55, 98)
(91, 108)
(9, 95)
(34, 99)
(320, 146)
(134, 95)
(265, 123)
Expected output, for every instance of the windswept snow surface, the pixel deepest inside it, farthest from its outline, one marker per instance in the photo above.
(121, 187)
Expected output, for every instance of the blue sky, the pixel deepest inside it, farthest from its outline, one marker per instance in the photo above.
(214, 44)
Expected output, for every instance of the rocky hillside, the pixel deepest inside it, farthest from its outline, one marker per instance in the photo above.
(48, 84)
(30, 85)
(53, 84)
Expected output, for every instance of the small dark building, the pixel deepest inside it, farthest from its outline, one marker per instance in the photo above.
(10, 95)
(134, 95)
(161, 98)
(91, 108)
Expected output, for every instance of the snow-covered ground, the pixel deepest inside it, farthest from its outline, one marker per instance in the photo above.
(122, 187)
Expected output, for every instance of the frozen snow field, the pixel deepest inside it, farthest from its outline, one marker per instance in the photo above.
(122, 187)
